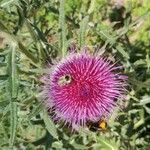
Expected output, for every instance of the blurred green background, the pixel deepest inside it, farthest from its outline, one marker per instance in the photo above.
(34, 33)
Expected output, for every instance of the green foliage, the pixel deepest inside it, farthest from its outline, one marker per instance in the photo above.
(33, 33)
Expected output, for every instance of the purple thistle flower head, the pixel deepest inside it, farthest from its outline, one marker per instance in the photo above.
(83, 88)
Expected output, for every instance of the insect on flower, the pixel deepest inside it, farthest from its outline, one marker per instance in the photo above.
(64, 80)
(100, 125)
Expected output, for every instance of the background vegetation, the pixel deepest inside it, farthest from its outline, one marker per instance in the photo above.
(35, 32)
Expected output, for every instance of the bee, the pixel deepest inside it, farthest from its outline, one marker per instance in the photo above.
(100, 125)
(64, 80)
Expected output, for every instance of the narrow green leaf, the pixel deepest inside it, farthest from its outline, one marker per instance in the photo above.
(7, 3)
(50, 126)
(32, 32)
(62, 27)
(12, 38)
(3, 111)
(108, 144)
(122, 51)
(82, 31)
(35, 111)
(111, 39)
(12, 72)
(12, 88)
(92, 6)
(147, 109)
(3, 77)
(145, 100)
(79, 146)
(37, 35)
(13, 121)
(2, 27)
(141, 121)
(57, 145)
(23, 49)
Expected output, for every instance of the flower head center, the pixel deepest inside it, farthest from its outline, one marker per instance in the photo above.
(85, 90)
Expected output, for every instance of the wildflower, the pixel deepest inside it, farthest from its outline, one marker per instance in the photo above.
(82, 88)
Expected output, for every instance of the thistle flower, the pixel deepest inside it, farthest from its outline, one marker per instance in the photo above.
(83, 88)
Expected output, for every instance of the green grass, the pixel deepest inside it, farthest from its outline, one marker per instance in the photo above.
(33, 33)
